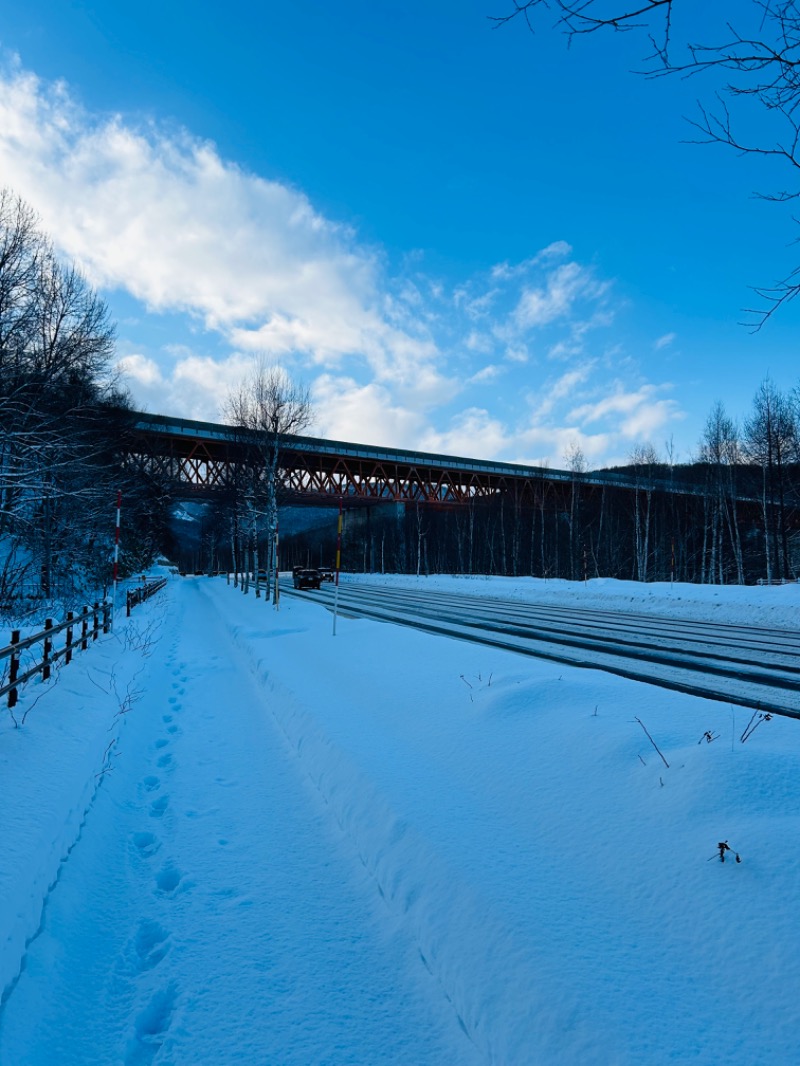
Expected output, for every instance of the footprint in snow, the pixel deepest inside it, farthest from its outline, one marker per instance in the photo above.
(146, 844)
(151, 1027)
(151, 944)
(168, 879)
(157, 807)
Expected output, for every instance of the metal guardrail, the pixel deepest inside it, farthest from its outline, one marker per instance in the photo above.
(99, 616)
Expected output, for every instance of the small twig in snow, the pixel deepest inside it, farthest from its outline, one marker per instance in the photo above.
(758, 718)
(641, 723)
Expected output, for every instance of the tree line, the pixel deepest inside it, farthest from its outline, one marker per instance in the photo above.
(62, 417)
(730, 516)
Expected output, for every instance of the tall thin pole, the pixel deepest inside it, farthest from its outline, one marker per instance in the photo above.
(338, 564)
(277, 593)
(116, 553)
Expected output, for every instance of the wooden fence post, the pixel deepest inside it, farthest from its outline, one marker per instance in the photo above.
(13, 669)
(68, 652)
(84, 628)
(96, 624)
(48, 649)
(106, 615)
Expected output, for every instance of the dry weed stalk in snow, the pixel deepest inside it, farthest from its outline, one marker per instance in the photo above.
(49, 685)
(644, 727)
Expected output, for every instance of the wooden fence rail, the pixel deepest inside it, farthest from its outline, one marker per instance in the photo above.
(89, 621)
(142, 593)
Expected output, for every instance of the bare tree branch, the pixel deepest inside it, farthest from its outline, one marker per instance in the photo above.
(759, 67)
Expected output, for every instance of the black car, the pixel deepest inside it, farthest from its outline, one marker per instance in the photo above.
(306, 579)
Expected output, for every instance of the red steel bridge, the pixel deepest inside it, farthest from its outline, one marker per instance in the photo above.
(207, 459)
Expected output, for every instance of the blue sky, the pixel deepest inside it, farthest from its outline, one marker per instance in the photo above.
(463, 239)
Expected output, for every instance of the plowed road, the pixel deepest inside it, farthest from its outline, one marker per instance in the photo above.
(745, 665)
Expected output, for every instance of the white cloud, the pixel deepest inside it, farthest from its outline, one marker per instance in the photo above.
(139, 368)
(505, 271)
(346, 410)
(161, 215)
(485, 374)
(552, 393)
(252, 266)
(479, 342)
(547, 446)
(516, 353)
(193, 386)
(563, 287)
(665, 341)
(473, 432)
(637, 414)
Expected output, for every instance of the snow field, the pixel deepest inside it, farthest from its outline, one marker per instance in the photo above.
(391, 847)
(590, 875)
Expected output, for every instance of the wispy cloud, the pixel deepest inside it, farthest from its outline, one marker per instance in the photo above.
(664, 342)
(539, 306)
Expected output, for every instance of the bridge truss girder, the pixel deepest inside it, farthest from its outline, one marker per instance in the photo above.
(206, 468)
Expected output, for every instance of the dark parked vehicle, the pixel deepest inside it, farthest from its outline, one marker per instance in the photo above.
(326, 573)
(306, 579)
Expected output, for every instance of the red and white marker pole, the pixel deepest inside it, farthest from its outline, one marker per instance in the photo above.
(338, 565)
(116, 553)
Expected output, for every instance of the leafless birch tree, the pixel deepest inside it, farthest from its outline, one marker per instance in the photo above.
(267, 405)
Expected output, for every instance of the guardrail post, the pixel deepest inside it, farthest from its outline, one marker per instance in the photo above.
(84, 628)
(106, 616)
(96, 624)
(128, 604)
(48, 649)
(68, 652)
(13, 669)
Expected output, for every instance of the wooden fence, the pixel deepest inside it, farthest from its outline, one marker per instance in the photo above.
(88, 624)
(142, 593)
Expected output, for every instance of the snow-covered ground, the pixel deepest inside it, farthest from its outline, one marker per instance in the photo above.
(231, 837)
(776, 606)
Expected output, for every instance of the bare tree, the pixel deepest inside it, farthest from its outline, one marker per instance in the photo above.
(266, 406)
(643, 459)
(770, 440)
(576, 463)
(720, 448)
(752, 67)
(588, 16)
(59, 409)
